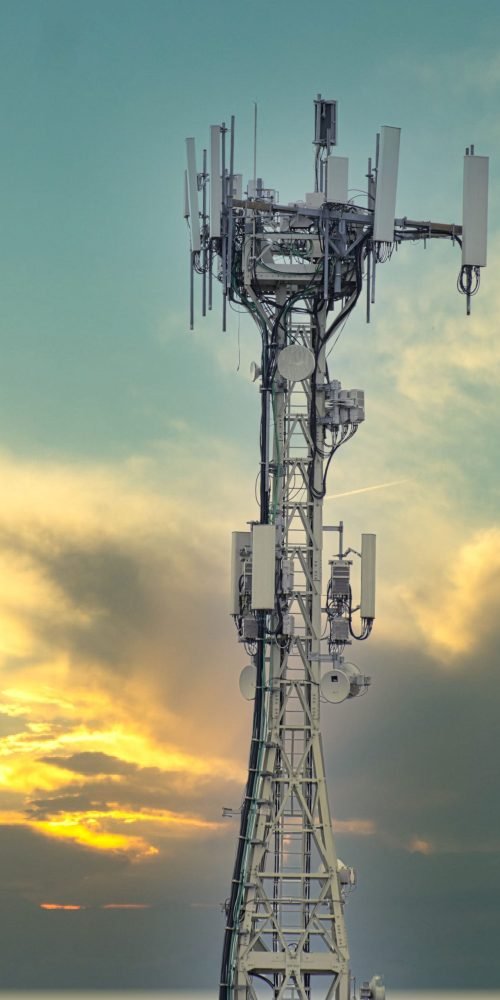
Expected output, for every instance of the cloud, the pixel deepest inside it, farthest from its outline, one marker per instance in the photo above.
(472, 70)
(126, 906)
(467, 594)
(418, 845)
(61, 906)
(356, 827)
(92, 762)
(366, 489)
(124, 730)
(106, 574)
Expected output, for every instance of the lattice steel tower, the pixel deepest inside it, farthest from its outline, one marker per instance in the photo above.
(299, 269)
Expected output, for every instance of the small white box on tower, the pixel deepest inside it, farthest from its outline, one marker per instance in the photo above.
(337, 171)
(315, 199)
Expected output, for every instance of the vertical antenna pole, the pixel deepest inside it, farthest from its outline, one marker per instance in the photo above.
(204, 236)
(210, 264)
(368, 282)
(191, 292)
(194, 211)
(371, 186)
(224, 225)
(326, 262)
(373, 279)
(370, 201)
(254, 145)
(229, 269)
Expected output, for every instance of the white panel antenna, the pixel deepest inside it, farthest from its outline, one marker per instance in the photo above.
(263, 566)
(387, 180)
(475, 210)
(215, 181)
(337, 169)
(368, 559)
(194, 210)
(186, 196)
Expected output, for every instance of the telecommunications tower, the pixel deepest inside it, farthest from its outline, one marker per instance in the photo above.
(299, 269)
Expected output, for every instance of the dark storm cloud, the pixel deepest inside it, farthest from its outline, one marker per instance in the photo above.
(67, 803)
(134, 608)
(419, 756)
(416, 756)
(92, 762)
(113, 583)
(137, 788)
(11, 724)
(134, 603)
(43, 869)
(419, 752)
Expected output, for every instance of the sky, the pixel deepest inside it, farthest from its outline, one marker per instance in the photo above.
(128, 453)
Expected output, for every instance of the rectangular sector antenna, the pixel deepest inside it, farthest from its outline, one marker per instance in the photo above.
(325, 124)
(215, 181)
(337, 168)
(263, 566)
(387, 180)
(240, 540)
(193, 196)
(475, 210)
(368, 550)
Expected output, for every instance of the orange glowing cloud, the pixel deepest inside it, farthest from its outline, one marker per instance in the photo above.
(358, 827)
(61, 906)
(418, 845)
(108, 830)
(126, 906)
(79, 687)
(469, 595)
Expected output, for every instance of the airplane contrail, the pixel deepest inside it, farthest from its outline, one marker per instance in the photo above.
(366, 489)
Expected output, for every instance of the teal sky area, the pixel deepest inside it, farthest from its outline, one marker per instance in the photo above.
(128, 453)
(96, 100)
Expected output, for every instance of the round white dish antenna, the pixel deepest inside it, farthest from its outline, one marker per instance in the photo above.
(248, 681)
(255, 371)
(335, 686)
(295, 363)
(342, 682)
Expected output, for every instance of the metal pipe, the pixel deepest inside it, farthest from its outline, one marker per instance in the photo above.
(224, 225)
(191, 292)
(204, 238)
(326, 263)
(255, 145)
(368, 280)
(229, 264)
(210, 262)
(373, 279)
